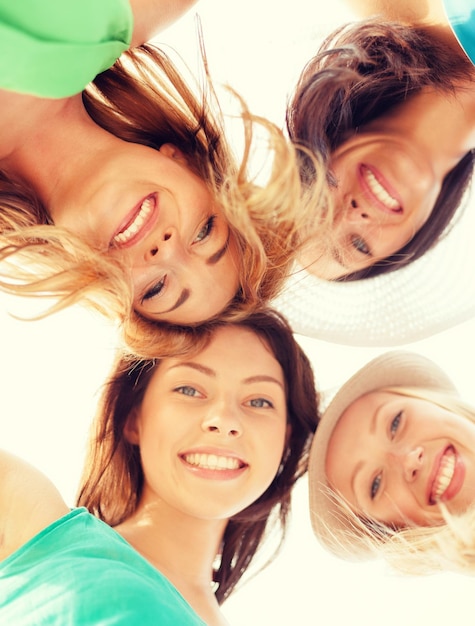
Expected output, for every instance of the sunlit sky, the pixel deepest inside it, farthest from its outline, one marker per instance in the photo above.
(51, 370)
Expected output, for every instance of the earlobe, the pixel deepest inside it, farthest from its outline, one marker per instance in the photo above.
(131, 430)
(172, 152)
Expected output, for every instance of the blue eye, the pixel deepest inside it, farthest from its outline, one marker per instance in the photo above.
(360, 244)
(375, 486)
(206, 230)
(395, 424)
(260, 403)
(187, 390)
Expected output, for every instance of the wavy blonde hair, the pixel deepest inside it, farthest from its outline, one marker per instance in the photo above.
(413, 550)
(144, 99)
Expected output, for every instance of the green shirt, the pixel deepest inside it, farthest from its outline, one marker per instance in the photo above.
(80, 572)
(54, 48)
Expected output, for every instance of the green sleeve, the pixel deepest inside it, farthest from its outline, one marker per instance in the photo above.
(54, 48)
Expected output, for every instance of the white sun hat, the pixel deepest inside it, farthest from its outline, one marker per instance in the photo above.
(427, 296)
(397, 368)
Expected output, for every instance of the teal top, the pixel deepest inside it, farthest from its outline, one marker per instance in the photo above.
(54, 48)
(461, 16)
(80, 572)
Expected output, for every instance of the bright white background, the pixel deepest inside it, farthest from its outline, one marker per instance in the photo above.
(51, 370)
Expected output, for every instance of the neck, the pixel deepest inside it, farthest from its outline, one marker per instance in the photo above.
(50, 146)
(183, 549)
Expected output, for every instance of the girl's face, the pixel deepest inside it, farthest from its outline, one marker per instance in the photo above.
(385, 193)
(393, 458)
(149, 208)
(389, 175)
(212, 429)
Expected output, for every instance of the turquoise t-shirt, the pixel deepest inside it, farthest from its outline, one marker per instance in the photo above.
(461, 16)
(54, 48)
(80, 572)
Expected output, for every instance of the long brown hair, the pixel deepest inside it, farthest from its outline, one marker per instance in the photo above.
(144, 99)
(361, 72)
(112, 480)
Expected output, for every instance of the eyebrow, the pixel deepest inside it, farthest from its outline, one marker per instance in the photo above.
(183, 297)
(262, 378)
(218, 255)
(338, 258)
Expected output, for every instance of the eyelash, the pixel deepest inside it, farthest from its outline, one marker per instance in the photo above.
(360, 245)
(395, 424)
(393, 428)
(184, 389)
(157, 288)
(375, 486)
(208, 228)
(268, 403)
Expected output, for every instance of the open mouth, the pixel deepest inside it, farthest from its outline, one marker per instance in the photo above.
(132, 230)
(379, 191)
(444, 476)
(213, 461)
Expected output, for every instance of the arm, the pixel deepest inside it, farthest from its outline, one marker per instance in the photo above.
(428, 14)
(152, 16)
(411, 11)
(28, 503)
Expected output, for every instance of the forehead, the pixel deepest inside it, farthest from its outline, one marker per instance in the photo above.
(361, 411)
(232, 348)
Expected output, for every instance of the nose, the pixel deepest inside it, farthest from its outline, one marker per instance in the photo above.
(411, 461)
(165, 246)
(222, 420)
(358, 211)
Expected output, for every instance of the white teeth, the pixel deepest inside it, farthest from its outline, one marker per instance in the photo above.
(145, 210)
(212, 461)
(379, 191)
(445, 475)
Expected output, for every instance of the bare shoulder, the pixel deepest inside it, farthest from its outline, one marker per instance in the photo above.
(28, 503)
(153, 16)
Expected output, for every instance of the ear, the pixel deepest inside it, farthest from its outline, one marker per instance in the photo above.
(172, 152)
(131, 429)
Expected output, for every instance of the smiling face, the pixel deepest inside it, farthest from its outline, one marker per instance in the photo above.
(148, 208)
(388, 175)
(385, 192)
(393, 457)
(212, 429)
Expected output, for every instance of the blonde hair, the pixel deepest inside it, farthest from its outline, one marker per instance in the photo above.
(413, 550)
(144, 99)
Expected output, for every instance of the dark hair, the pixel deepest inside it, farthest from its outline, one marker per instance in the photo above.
(112, 480)
(361, 72)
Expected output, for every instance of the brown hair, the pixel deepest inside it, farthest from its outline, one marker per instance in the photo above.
(144, 99)
(112, 479)
(361, 72)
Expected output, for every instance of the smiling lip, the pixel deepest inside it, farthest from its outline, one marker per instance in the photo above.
(447, 476)
(137, 223)
(214, 463)
(378, 190)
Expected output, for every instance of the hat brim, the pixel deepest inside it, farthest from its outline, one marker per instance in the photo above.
(392, 369)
